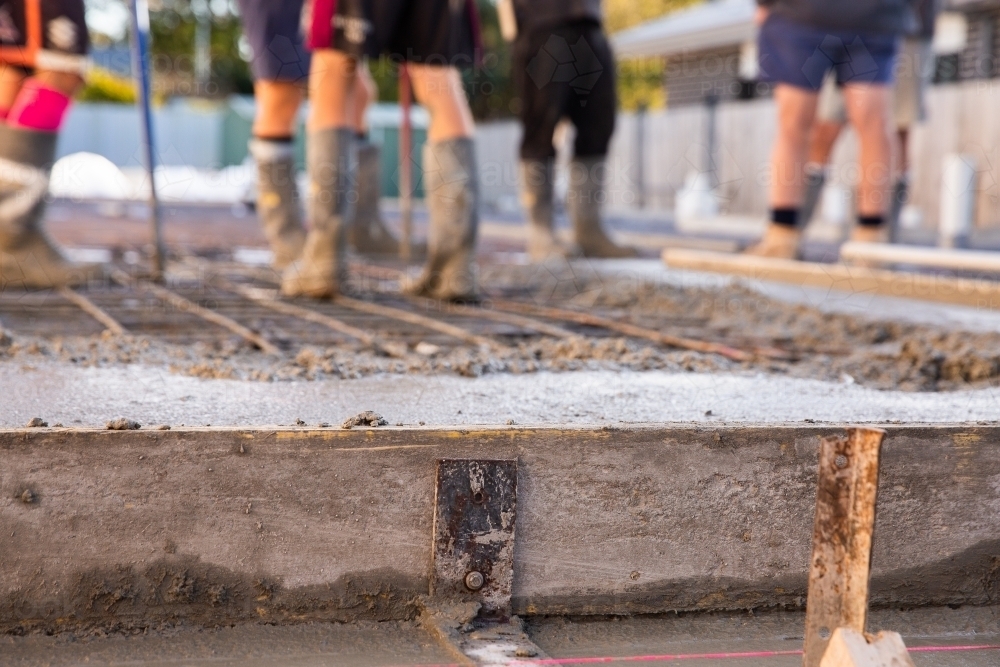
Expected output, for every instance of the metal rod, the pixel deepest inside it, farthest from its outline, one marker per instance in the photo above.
(187, 306)
(140, 65)
(405, 165)
(415, 318)
(92, 309)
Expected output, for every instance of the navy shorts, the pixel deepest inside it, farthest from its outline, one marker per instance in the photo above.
(800, 55)
(432, 32)
(274, 30)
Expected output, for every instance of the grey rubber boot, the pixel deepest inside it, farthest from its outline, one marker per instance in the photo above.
(451, 186)
(321, 270)
(586, 195)
(900, 196)
(367, 233)
(278, 200)
(815, 181)
(28, 257)
(537, 185)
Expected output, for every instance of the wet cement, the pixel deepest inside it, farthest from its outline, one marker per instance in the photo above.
(387, 644)
(153, 396)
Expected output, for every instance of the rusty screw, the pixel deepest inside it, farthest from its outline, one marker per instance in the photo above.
(474, 580)
(841, 461)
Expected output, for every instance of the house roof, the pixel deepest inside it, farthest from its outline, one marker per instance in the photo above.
(712, 24)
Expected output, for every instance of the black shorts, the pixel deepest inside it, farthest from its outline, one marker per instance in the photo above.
(433, 32)
(44, 34)
(566, 71)
(274, 30)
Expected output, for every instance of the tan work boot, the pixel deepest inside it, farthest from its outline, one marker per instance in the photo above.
(870, 234)
(452, 192)
(586, 194)
(779, 241)
(321, 270)
(278, 200)
(537, 180)
(28, 257)
(367, 232)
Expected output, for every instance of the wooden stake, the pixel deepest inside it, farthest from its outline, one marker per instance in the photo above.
(842, 537)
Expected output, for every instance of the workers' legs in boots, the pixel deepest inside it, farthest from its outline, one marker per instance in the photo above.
(33, 109)
(868, 109)
(320, 271)
(367, 232)
(273, 149)
(450, 184)
(796, 110)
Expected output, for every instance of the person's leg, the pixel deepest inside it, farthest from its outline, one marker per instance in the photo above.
(821, 141)
(367, 232)
(451, 186)
(35, 107)
(272, 147)
(796, 111)
(593, 115)
(868, 107)
(541, 108)
(320, 272)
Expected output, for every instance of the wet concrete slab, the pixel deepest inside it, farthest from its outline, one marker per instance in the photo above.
(91, 396)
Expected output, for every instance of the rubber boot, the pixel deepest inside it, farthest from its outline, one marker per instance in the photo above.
(900, 196)
(815, 180)
(321, 270)
(28, 257)
(586, 194)
(779, 241)
(278, 200)
(367, 233)
(537, 185)
(451, 188)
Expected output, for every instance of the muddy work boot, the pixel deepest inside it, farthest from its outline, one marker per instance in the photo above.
(28, 257)
(586, 195)
(367, 232)
(278, 200)
(452, 192)
(321, 270)
(779, 242)
(537, 180)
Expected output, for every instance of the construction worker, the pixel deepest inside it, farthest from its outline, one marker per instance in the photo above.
(914, 67)
(800, 42)
(280, 67)
(433, 37)
(43, 57)
(550, 34)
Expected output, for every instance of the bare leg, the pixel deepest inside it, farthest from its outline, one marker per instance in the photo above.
(365, 92)
(439, 89)
(796, 111)
(11, 79)
(331, 90)
(868, 110)
(822, 139)
(277, 108)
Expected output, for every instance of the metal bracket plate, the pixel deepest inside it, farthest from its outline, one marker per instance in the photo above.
(474, 516)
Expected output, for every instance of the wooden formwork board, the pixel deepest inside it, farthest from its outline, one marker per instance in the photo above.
(976, 292)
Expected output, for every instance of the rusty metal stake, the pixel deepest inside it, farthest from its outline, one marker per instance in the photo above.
(842, 537)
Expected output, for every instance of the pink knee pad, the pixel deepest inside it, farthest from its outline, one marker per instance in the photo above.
(38, 107)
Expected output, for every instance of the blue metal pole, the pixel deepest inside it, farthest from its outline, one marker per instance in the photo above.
(140, 66)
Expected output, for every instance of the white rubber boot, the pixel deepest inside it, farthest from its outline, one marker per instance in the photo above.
(537, 185)
(321, 270)
(586, 195)
(452, 190)
(278, 200)
(28, 257)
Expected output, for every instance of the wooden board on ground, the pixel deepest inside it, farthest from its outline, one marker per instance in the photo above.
(979, 293)
(940, 258)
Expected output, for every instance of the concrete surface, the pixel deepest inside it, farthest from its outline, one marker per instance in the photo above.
(402, 643)
(89, 397)
(128, 529)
